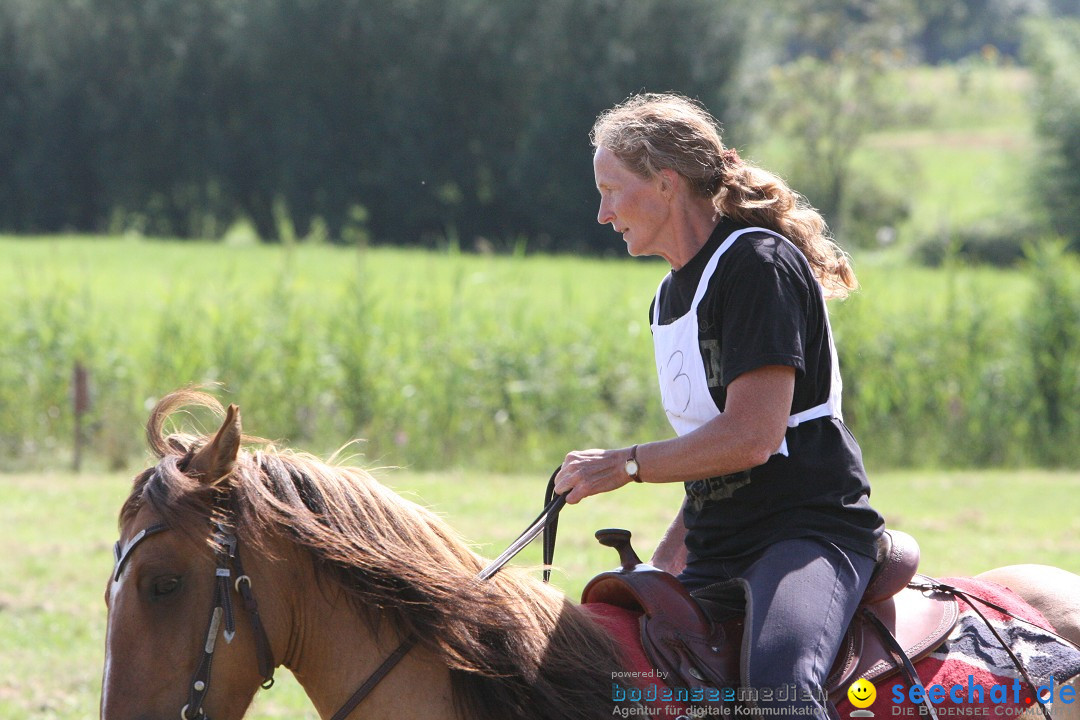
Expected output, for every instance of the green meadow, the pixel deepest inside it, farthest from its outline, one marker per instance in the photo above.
(970, 159)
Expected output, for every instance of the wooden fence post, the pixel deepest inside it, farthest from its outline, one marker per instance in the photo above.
(80, 400)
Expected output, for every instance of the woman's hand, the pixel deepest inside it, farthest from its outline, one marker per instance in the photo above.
(591, 472)
(745, 435)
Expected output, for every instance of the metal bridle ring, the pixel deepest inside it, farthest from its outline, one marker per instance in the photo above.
(183, 714)
(242, 577)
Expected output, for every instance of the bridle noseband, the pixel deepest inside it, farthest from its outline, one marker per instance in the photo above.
(227, 565)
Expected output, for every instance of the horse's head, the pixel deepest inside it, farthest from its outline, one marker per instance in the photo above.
(344, 570)
(180, 637)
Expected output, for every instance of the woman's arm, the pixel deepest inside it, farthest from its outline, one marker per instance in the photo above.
(745, 435)
(670, 553)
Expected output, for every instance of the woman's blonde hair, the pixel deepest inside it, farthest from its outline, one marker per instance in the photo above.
(653, 132)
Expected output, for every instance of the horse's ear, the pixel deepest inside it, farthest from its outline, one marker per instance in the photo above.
(215, 460)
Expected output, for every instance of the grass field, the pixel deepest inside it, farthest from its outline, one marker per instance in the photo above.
(971, 159)
(56, 553)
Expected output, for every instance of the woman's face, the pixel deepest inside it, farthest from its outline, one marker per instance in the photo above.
(637, 208)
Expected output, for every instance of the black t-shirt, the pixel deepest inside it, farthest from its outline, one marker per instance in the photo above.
(762, 307)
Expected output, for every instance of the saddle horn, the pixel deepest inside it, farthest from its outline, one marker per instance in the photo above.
(620, 540)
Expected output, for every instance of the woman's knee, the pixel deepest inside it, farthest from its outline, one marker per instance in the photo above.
(787, 671)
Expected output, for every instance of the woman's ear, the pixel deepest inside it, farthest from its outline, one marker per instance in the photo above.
(669, 182)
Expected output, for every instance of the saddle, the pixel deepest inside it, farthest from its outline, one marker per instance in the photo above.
(700, 651)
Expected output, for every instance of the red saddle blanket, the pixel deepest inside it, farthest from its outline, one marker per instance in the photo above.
(639, 683)
(969, 675)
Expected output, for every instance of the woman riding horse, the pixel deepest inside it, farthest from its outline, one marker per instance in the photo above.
(776, 494)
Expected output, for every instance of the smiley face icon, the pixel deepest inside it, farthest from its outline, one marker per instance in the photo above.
(862, 693)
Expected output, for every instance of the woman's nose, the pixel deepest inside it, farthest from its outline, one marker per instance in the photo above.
(604, 216)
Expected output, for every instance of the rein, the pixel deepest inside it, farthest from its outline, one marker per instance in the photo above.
(546, 522)
(228, 563)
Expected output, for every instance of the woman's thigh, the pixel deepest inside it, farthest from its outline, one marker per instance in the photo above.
(801, 596)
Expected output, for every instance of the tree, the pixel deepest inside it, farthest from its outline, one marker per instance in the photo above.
(957, 29)
(432, 119)
(583, 56)
(825, 102)
(1053, 51)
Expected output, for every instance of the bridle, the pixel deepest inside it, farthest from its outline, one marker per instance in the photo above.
(228, 564)
(221, 610)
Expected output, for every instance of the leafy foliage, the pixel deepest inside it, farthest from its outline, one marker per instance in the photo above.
(434, 123)
(1052, 338)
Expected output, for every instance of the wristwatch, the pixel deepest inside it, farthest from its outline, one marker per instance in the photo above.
(632, 467)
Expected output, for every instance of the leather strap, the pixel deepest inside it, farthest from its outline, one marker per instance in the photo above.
(552, 527)
(364, 690)
(546, 522)
(939, 586)
(221, 611)
(200, 681)
(898, 651)
(264, 654)
(636, 476)
(122, 555)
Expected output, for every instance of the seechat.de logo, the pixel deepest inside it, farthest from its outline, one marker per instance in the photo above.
(862, 694)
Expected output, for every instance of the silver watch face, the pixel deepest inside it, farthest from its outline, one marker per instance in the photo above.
(631, 468)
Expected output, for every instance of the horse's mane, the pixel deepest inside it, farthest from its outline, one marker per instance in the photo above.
(515, 647)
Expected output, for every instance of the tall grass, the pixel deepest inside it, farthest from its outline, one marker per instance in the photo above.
(943, 367)
(503, 363)
(434, 359)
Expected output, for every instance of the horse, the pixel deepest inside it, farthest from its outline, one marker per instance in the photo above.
(1052, 591)
(368, 599)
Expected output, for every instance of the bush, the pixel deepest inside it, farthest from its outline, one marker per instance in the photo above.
(999, 242)
(1053, 51)
(871, 215)
(1052, 334)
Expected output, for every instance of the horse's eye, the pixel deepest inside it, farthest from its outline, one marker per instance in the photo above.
(165, 585)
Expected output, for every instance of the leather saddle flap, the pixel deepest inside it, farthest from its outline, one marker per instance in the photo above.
(920, 621)
(652, 591)
(676, 634)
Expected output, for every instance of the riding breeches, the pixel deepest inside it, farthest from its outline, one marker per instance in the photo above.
(800, 596)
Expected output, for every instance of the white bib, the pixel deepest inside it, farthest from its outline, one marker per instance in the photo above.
(684, 388)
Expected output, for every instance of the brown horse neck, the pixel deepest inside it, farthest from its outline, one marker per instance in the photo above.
(332, 649)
